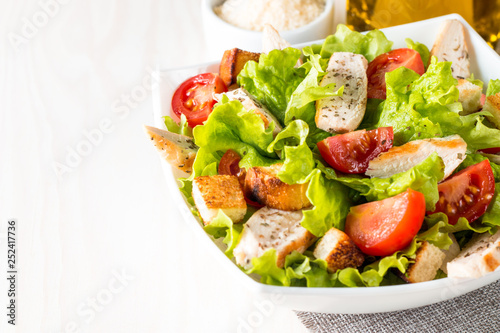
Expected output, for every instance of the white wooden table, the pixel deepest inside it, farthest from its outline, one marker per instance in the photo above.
(100, 246)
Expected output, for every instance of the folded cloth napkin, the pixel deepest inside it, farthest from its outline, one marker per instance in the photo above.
(477, 311)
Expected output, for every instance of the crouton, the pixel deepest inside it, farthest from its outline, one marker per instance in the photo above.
(270, 228)
(211, 193)
(469, 96)
(479, 257)
(233, 62)
(263, 185)
(492, 105)
(427, 262)
(178, 150)
(450, 254)
(338, 250)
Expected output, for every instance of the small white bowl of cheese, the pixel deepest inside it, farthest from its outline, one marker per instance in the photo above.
(239, 23)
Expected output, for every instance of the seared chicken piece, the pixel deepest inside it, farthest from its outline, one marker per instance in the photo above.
(427, 262)
(263, 185)
(211, 193)
(338, 250)
(271, 40)
(178, 150)
(492, 105)
(450, 254)
(402, 158)
(450, 45)
(270, 228)
(469, 96)
(250, 103)
(479, 257)
(341, 114)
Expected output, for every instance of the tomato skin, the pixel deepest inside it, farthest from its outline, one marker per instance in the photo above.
(194, 98)
(387, 62)
(490, 150)
(380, 228)
(352, 152)
(467, 193)
(229, 165)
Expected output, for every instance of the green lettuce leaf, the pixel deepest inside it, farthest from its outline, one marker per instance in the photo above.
(331, 204)
(273, 79)
(423, 178)
(181, 128)
(421, 49)
(493, 87)
(222, 226)
(492, 215)
(475, 81)
(370, 45)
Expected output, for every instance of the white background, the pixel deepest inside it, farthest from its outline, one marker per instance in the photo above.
(101, 248)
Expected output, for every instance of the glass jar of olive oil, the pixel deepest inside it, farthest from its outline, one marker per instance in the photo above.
(483, 15)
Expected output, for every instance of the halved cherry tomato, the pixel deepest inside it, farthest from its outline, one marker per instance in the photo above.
(380, 228)
(491, 150)
(351, 152)
(387, 62)
(467, 194)
(195, 97)
(229, 165)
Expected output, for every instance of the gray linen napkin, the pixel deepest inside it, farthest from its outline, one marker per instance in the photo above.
(477, 311)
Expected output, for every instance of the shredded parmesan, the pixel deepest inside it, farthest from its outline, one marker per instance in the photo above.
(281, 14)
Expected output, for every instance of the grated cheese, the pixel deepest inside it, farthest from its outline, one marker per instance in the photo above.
(281, 14)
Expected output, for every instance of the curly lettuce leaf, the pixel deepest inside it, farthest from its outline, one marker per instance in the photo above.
(370, 45)
(273, 79)
(493, 87)
(492, 215)
(223, 226)
(331, 204)
(181, 128)
(421, 49)
(423, 178)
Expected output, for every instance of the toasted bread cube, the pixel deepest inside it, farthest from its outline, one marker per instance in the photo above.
(469, 96)
(263, 185)
(479, 257)
(233, 62)
(270, 228)
(450, 254)
(211, 193)
(338, 250)
(492, 105)
(178, 150)
(427, 262)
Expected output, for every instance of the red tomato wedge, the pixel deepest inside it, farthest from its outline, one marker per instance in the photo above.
(351, 152)
(229, 165)
(194, 98)
(387, 62)
(491, 150)
(467, 194)
(380, 228)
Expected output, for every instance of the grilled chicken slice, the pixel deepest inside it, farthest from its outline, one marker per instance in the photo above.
(469, 96)
(450, 254)
(492, 105)
(250, 103)
(479, 257)
(427, 262)
(402, 158)
(178, 150)
(450, 45)
(272, 40)
(341, 114)
(270, 228)
(263, 185)
(338, 250)
(211, 193)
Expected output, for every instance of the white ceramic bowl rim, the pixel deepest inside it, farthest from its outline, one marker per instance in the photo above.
(208, 6)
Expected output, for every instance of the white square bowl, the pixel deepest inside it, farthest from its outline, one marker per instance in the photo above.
(485, 64)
